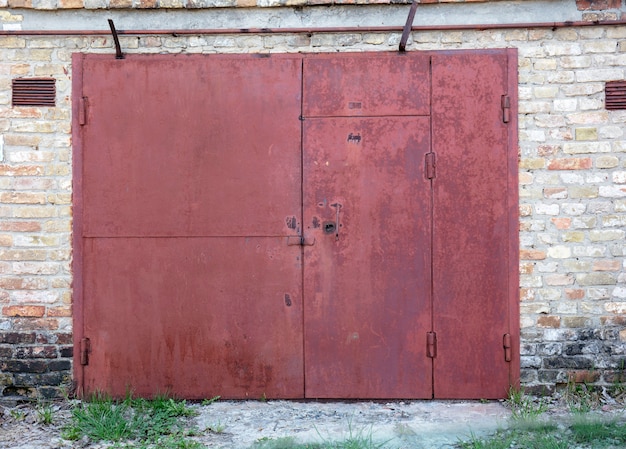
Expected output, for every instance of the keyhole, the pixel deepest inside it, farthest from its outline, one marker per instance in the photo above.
(329, 227)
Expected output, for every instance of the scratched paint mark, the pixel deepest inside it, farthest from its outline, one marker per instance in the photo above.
(355, 105)
(292, 222)
(287, 300)
(354, 336)
(315, 222)
(354, 138)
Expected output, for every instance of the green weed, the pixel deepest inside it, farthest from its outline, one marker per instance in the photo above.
(587, 430)
(17, 414)
(217, 427)
(45, 413)
(206, 402)
(524, 407)
(148, 423)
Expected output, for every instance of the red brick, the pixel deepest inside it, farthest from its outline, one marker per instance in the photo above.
(23, 198)
(547, 150)
(532, 254)
(71, 4)
(562, 223)
(570, 164)
(555, 192)
(60, 312)
(526, 268)
(21, 170)
(583, 376)
(20, 226)
(574, 293)
(24, 311)
(549, 321)
(597, 5)
(607, 265)
(20, 4)
(35, 324)
(526, 294)
(613, 320)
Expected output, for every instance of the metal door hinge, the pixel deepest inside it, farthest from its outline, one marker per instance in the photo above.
(430, 165)
(506, 342)
(431, 345)
(82, 111)
(506, 108)
(85, 349)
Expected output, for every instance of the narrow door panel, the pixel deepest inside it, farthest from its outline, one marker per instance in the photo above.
(367, 84)
(194, 317)
(367, 276)
(191, 145)
(472, 225)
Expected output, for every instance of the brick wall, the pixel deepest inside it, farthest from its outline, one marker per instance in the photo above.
(572, 194)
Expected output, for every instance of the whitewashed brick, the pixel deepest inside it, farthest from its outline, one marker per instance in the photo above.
(619, 177)
(547, 209)
(586, 147)
(575, 62)
(547, 267)
(585, 76)
(573, 208)
(562, 77)
(588, 118)
(606, 235)
(598, 293)
(565, 105)
(619, 292)
(611, 132)
(559, 252)
(589, 251)
(612, 191)
(591, 104)
(564, 49)
(600, 46)
(581, 89)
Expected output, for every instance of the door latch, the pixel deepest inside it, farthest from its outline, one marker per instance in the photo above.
(297, 240)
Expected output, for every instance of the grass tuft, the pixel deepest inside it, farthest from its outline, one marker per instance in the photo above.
(148, 423)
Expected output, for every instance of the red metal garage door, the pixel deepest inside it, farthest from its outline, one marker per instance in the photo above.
(189, 187)
(193, 175)
(367, 205)
(475, 225)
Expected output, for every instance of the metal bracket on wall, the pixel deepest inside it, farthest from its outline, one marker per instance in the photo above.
(407, 26)
(118, 49)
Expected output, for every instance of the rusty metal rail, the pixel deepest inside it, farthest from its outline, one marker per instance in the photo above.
(312, 30)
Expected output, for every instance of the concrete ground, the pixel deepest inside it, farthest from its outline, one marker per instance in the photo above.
(403, 425)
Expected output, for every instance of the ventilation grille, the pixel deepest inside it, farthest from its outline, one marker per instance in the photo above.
(33, 92)
(615, 95)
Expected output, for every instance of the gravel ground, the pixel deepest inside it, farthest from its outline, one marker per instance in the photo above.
(406, 425)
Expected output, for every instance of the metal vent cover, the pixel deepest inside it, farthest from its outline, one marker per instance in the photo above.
(33, 92)
(615, 95)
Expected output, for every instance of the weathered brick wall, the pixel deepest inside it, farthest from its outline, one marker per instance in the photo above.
(572, 194)
(35, 223)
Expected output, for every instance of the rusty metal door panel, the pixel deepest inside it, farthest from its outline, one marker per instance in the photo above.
(367, 84)
(474, 223)
(191, 145)
(195, 317)
(188, 188)
(367, 275)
